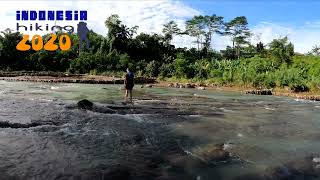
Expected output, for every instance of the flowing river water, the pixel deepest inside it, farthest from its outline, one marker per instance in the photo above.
(166, 134)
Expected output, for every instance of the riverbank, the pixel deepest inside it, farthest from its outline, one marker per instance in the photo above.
(57, 77)
(313, 96)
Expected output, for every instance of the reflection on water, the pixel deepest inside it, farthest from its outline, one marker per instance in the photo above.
(166, 134)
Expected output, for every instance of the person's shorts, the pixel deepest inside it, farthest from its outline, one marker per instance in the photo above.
(129, 87)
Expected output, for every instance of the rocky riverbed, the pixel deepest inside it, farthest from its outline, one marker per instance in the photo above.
(86, 131)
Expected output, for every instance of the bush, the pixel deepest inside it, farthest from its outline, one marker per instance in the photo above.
(152, 69)
(83, 64)
(259, 80)
(270, 81)
(181, 66)
(167, 70)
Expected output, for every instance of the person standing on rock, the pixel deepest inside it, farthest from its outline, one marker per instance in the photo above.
(128, 84)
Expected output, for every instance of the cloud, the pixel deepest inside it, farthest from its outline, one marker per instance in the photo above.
(150, 17)
(303, 37)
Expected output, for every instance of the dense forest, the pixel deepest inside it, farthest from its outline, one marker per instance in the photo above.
(242, 64)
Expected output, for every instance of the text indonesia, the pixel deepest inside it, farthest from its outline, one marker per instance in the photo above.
(37, 42)
(42, 15)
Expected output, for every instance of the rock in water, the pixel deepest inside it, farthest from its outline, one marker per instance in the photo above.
(259, 92)
(201, 88)
(118, 172)
(85, 104)
(212, 152)
(170, 85)
(188, 85)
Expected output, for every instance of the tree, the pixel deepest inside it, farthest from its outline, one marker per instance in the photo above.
(118, 34)
(151, 47)
(282, 50)
(169, 30)
(315, 50)
(213, 25)
(10, 57)
(259, 47)
(228, 53)
(96, 41)
(203, 28)
(239, 32)
(194, 28)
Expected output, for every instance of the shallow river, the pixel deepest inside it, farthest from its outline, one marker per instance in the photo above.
(166, 134)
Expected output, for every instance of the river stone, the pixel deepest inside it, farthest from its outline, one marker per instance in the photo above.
(138, 138)
(303, 168)
(188, 85)
(103, 109)
(170, 85)
(85, 104)
(212, 152)
(298, 169)
(281, 172)
(177, 162)
(259, 92)
(118, 172)
(6, 124)
(305, 165)
(247, 152)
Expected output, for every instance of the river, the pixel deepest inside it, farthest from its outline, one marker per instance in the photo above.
(166, 134)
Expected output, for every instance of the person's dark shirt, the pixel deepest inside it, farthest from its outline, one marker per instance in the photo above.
(129, 80)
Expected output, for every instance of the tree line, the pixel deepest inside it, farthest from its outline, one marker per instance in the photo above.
(259, 65)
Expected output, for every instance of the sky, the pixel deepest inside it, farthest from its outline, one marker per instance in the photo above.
(268, 19)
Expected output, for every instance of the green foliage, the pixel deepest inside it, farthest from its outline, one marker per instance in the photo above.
(282, 51)
(167, 70)
(83, 64)
(169, 30)
(315, 51)
(203, 28)
(239, 32)
(229, 53)
(152, 69)
(153, 55)
(10, 58)
(181, 66)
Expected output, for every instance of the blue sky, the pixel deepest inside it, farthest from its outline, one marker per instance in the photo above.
(269, 19)
(293, 12)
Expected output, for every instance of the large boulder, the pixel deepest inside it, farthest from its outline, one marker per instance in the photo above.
(85, 104)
